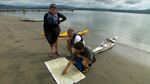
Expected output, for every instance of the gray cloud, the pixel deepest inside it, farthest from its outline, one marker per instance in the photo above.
(124, 4)
(24, 1)
(132, 1)
(106, 1)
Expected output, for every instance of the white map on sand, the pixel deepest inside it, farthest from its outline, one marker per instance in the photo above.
(56, 67)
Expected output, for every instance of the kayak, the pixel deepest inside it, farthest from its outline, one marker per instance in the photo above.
(109, 43)
(31, 20)
(64, 34)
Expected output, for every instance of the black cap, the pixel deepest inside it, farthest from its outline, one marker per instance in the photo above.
(53, 6)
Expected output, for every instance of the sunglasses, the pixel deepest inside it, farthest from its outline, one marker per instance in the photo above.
(53, 6)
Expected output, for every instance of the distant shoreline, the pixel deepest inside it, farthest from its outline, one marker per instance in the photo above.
(30, 10)
(117, 10)
(88, 9)
(67, 8)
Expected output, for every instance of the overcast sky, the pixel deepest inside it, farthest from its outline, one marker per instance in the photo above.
(120, 4)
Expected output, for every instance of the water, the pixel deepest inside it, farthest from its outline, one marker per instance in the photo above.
(133, 29)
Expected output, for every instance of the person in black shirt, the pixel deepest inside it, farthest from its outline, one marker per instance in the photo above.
(52, 19)
(83, 58)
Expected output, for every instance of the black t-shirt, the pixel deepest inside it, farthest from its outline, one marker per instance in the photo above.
(88, 53)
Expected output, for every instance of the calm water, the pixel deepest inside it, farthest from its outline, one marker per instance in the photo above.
(133, 29)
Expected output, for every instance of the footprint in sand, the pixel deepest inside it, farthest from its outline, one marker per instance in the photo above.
(17, 41)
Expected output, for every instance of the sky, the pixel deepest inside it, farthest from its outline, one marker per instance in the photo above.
(115, 4)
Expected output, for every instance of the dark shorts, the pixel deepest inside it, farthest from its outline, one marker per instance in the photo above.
(78, 64)
(52, 35)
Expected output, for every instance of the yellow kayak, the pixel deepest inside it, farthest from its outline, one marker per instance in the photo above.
(64, 34)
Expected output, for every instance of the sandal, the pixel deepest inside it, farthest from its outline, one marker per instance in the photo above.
(50, 54)
(57, 53)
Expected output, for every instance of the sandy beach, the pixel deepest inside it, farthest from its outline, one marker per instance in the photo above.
(23, 53)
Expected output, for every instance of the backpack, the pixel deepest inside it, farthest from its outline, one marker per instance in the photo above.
(72, 40)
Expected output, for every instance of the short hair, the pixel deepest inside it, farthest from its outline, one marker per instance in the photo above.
(52, 6)
(79, 45)
(70, 30)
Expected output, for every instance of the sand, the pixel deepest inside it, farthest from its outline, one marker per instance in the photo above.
(23, 53)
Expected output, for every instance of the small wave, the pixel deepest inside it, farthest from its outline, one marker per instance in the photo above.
(143, 50)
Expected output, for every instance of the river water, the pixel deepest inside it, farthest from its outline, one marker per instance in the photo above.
(133, 29)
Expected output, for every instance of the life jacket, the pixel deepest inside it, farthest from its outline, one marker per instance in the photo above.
(74, 36)
(52, 19)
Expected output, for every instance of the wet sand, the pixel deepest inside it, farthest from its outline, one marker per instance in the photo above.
(23, 53)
